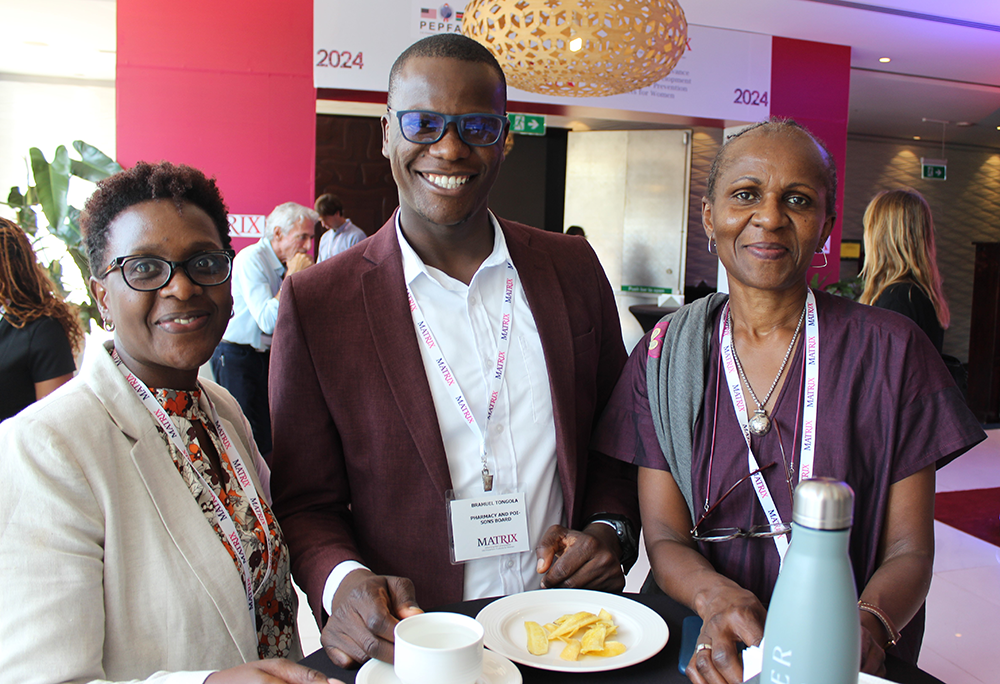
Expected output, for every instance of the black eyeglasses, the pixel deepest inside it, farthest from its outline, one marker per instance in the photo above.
(724, 534)
(426, 128)
(148, 273)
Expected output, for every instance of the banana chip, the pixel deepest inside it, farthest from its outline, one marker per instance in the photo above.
(538, 638)
(583, 633)
(572, 650)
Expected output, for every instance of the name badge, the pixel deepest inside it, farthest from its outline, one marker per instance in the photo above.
(485, 526)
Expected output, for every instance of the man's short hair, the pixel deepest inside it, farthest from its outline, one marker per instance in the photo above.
(329, 205)
(452, 46)
(287, 215)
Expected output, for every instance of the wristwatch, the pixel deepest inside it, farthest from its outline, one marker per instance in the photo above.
(627, 538)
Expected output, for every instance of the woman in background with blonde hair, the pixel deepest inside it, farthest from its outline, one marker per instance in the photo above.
(39, 332)
(900, 271)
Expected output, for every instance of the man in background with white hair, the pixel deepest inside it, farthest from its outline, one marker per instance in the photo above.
(240, 362)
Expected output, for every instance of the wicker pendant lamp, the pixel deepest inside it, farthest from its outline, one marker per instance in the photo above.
(580, 48)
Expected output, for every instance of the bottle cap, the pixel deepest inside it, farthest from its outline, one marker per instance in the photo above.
(823, 504)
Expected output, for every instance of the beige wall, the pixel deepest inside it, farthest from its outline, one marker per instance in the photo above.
(47, 112)
(629, 191)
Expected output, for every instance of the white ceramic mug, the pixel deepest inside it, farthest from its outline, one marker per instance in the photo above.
(438, 648)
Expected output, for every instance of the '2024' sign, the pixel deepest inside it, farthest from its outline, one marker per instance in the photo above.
(750, 97)
(340, 59)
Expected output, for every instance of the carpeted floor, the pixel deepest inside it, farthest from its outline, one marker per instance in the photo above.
(973, 511)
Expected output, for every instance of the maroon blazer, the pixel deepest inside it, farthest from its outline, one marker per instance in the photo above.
(359, 470)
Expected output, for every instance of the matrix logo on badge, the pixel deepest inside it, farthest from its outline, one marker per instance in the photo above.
(443, 19)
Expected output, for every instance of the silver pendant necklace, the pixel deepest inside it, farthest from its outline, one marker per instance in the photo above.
(760, 423)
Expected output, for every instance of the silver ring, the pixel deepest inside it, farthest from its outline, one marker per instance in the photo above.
(702, 647)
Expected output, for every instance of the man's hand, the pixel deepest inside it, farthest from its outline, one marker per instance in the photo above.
(273, 671)
(366, 609)
(297, 263)
(581, 560)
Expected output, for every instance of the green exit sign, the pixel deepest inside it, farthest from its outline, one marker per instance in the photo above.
(934, 169)
(527, 124)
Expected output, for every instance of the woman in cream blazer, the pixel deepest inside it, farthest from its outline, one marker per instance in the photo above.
(110, 567)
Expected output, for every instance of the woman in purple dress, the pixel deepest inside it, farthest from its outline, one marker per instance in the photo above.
(728, 403)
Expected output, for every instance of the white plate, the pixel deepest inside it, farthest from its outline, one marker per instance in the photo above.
(641, 629)
(496, 670)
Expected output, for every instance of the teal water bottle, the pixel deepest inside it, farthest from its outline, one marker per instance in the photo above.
(812, 633)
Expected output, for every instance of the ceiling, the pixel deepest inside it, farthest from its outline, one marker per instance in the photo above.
(945, 55)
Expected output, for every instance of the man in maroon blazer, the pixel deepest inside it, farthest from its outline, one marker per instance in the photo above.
(373, 435)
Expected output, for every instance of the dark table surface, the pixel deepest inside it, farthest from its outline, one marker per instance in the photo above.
(660, 669)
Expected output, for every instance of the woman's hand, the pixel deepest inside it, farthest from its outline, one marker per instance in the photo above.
(730, 614)
(732, 618)
(872, 655)
(273, 671)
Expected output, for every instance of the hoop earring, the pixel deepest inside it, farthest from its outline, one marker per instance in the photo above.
(710, 243)
(825, 260)
(108, 325)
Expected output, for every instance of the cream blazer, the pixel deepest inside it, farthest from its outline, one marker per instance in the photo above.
(108, 567)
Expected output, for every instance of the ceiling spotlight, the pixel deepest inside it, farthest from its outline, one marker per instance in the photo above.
(885, 60)
(575, 44)
(916, 137)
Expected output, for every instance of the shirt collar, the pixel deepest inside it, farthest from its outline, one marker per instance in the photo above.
(413, 266)
(272, 259)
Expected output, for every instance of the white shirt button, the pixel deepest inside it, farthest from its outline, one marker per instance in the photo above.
(499, 428)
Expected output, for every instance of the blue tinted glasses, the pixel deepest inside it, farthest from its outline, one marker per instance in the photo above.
(426, 128)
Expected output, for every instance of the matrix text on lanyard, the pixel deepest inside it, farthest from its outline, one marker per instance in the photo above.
(496, 380)
(807, 452)
(239, 467)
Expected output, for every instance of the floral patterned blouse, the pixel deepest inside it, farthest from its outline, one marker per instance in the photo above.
(275, 601)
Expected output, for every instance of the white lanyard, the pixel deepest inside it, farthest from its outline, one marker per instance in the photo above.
(807, 451)
(503, 345)
(235, 459)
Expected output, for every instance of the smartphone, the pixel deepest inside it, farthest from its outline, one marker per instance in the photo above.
(690, 629)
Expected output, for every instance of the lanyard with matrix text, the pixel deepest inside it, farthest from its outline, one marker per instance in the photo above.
(503, 345)
(807, 452)
(239, 467)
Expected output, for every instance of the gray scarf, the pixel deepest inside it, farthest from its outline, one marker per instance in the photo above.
(675, 383)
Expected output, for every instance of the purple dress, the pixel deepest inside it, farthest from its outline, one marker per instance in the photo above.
(887, 408)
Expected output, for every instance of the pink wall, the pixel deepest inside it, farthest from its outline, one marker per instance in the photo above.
(226, 87)
(811, 83)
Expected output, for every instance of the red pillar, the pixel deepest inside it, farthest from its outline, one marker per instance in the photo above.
(224, 86)
(811, 83)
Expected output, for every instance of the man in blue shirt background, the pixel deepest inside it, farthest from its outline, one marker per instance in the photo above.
(240, 362)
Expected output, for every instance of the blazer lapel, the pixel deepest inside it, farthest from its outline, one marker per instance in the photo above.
(547, 302)
(196, 540)
(390, 321)
(180, 514)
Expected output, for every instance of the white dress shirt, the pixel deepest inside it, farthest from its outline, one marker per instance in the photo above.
(257, 274)
(336, 241)
(521, 435)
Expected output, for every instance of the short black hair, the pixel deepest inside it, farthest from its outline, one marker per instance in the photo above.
(452, 46)
(141, 183)
(329, 205)
(772, 126)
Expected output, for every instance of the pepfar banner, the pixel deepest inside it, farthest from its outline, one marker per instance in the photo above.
(723, 74)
